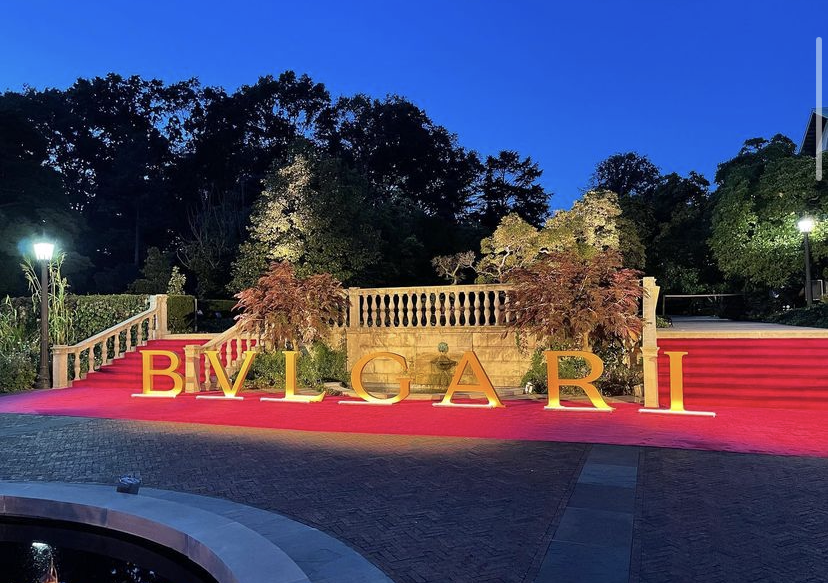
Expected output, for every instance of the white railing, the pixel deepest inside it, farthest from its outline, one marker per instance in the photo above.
(429, 306)
(231, 346)
(104, 347)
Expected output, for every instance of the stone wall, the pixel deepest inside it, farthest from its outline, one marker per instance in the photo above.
(497, 350)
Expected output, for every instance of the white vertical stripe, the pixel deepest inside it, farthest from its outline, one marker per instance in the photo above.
(818, 117)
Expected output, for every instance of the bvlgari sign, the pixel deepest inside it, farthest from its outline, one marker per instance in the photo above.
(482, 385)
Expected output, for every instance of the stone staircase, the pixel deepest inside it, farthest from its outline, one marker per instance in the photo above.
(125, 372)
(749, 372)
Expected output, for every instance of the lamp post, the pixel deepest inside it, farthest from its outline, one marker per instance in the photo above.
(43, 253)
(806, 225)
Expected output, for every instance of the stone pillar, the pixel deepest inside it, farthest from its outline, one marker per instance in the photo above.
(191, 368)
(161, 315)
(353, 307)
(60, 366)
(649, 343)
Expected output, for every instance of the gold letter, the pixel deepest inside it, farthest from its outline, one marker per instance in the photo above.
(596, 367)
(677, 388)
(148, 372)
(484, 385)
(290, 383)
(223, 380)
(368, 398)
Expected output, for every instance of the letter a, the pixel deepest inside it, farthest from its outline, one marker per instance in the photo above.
(484, 385)
(148, 372)
(596, 367)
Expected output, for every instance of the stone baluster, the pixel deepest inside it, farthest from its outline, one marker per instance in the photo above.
(191, 359)
(90, 359)
(487, 308)
(353, 307)
(76, 372)
(497, 309)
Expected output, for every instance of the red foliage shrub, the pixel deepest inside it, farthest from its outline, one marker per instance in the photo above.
(283, 308)
(575, 301)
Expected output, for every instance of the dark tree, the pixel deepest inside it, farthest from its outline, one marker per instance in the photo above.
(628, 175)
(404, 155)
(32, 197)
(510, 185)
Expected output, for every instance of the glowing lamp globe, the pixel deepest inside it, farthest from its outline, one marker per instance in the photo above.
(806, 225)
(43, 251)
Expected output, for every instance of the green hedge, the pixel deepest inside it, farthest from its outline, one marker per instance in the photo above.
(94, 314)
(816, 317)
(314, 368)
(180, 314)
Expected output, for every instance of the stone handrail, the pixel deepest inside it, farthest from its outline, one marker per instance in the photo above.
(149, 325)
(231, 346)
(429, 306)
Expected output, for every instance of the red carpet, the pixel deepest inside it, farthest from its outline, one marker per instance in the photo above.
(742, 372)
(760, 430)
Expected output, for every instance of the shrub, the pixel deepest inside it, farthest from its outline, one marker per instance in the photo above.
(175, 287)
(284, 309)
(578, 301)
(537, 373)
(93, 314)
(330, 364)
(816, 317)
(314, 367)
(268, 370)
(18, 344)
(17, 371)
(180, 314)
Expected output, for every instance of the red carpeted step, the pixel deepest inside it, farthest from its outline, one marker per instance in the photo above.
(761, 372)
(126, 371)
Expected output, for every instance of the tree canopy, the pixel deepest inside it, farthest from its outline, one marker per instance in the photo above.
(113, 166)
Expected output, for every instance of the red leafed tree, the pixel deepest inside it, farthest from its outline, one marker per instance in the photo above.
(577, 301)
(283, 308)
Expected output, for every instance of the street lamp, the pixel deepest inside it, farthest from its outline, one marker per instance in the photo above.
(806, 225)
(43, 253)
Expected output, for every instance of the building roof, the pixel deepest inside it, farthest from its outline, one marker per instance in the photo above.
(808, 144)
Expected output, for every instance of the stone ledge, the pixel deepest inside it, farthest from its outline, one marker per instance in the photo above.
(216, 534)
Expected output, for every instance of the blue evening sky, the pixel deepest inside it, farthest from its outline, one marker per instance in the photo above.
(566, 83)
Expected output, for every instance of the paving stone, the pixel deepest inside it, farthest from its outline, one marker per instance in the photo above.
(578, 563)
(599, 497)
(618, 455)
(731, 518)
(608, 475)
(601, 528)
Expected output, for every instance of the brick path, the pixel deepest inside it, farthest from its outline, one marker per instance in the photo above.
(428, 509)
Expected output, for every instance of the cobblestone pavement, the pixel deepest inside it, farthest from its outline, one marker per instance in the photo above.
(711, 516)
(421, 508)
(428, 509)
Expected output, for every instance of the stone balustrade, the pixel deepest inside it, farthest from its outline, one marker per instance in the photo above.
(104, 347)
(429, 306)
(230, 345)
